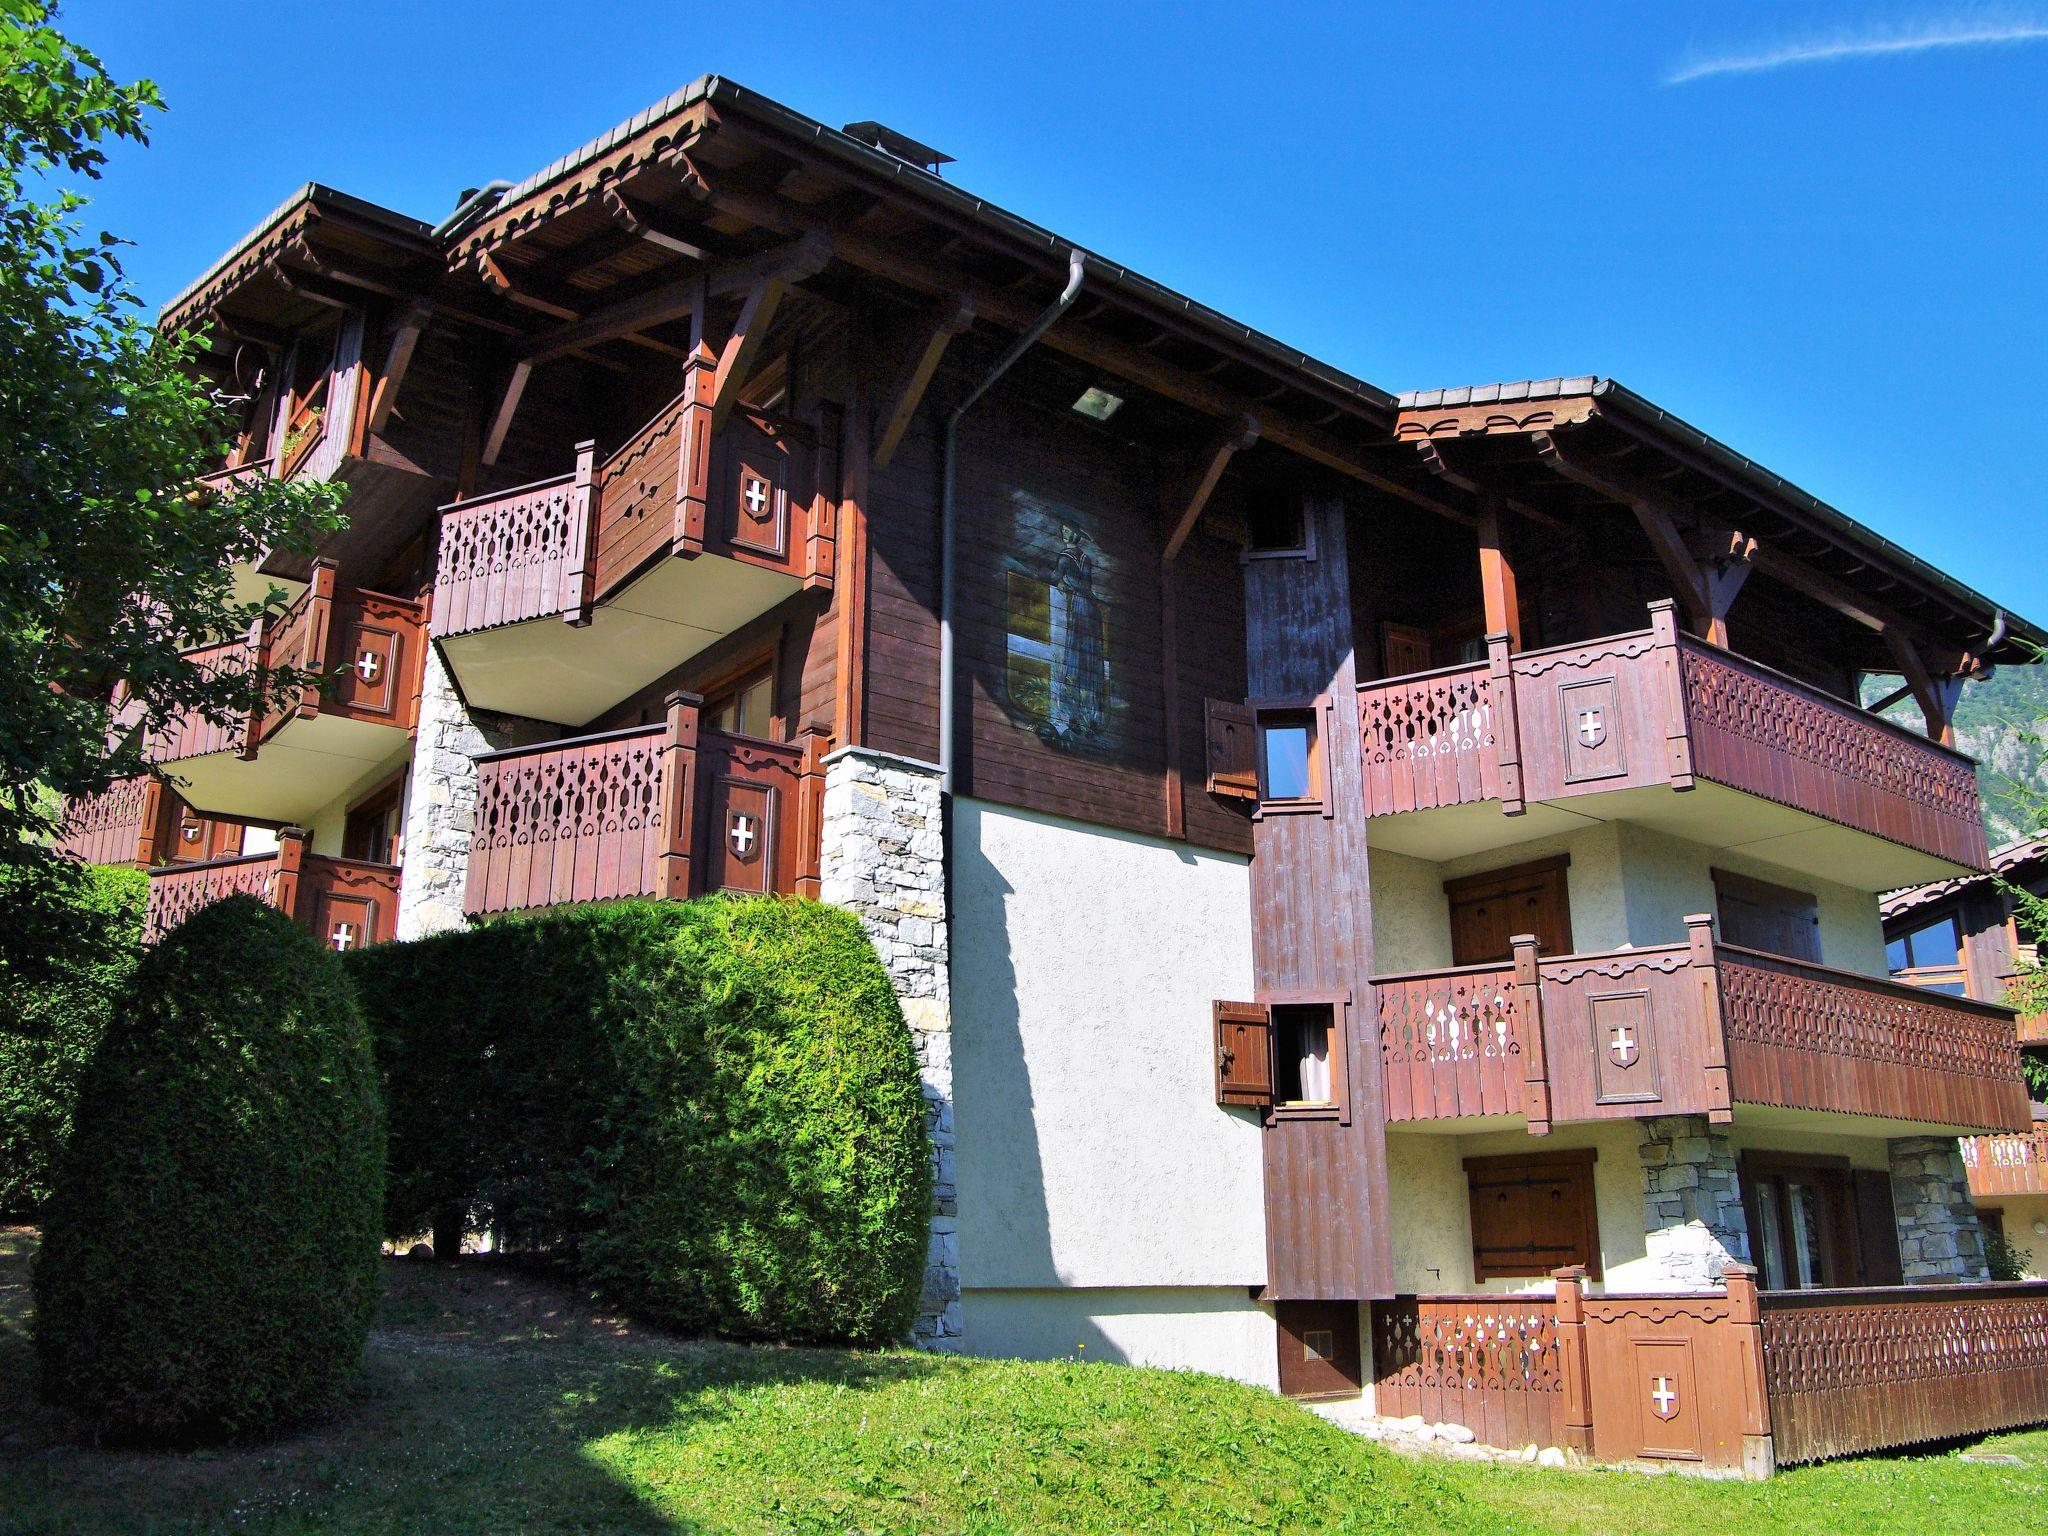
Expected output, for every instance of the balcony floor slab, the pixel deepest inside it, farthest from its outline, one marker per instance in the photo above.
(303, 768)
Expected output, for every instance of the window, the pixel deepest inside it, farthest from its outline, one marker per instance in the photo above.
(372, 831)
(1931, 955)
(1816, 1222)
(1533, 1213)
(1488, 910)
(1277, 524)
(746, 707)
(1305, 1054)
(1290, 757)
(1757, 915)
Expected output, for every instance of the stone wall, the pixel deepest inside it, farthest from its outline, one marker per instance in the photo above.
(882, 856)
(440, 799)
(1693, 1221)
(1939, 1239)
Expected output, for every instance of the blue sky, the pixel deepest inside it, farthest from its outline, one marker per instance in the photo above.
(1815, 231)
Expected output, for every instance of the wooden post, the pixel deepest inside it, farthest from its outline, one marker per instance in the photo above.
(1699, 937)
(810, 809)
(153, 838)
(1759, 1450)
(1507, 726)
(693, 457)
(821, 531)
(1573, 1367)
(252, 723)
(319, 619)
(579, 565)
(850, 593)
(1497, 576)
(1671, 662)
(1529, 1026)
(678, 794)
(291, 862)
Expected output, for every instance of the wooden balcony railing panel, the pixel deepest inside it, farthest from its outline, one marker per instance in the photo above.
(348, 902)
(1690, 1028)
(638, 488)
(1809, 1037)
(179, 890)
(1450, 1044)
(106, 828)
(1849, 1371)
(573, 821)
(1429, 741)
(192, 735)
(512, 556)
(1487, 1362)
(1757, 730)
(1658, 707)
(655, 811)
(2011, 1164)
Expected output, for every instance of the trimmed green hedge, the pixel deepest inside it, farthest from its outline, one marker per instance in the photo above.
(209, 1261)
(709, 1110)
(54, 1005)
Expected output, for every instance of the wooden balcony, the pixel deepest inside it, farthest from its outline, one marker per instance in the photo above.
(556, 600)
(1734, 1380)
(665, 810)
(1692, 1028)
(1611, 727)
(138, 821)
(345, 902)
(365, 649)
(2008, 1165)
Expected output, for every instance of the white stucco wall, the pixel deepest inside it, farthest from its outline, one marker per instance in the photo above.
(1216, 1329)
(1665, 878)
(1411, 921)
(1091, 1151)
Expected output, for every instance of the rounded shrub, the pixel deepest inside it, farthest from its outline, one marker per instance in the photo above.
(209, 1257)
(76, 935)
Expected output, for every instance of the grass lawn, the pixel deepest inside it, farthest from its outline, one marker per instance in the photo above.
(494, 1403)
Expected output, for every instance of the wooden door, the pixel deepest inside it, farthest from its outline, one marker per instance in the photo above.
(1488, 910)
(1773, 918)
(1319, 1353)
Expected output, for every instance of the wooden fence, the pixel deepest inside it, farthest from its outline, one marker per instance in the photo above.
(1487, 1362)
(347, 903)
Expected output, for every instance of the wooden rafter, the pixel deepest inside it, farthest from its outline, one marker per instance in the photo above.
(1437, 462)
(396, 362)
(741, 354)
(949, 316)
(303, 256)
(508, 407)
(495, 278)
(644, 224)
(1936, 692)
(1182, 499)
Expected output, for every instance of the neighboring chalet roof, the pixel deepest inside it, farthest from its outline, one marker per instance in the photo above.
(1537, 438)
(2011, 862)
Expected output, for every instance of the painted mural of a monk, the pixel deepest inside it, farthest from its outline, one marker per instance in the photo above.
(1080, 676)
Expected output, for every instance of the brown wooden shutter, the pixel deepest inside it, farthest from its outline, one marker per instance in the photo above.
(1774, 918)
(1877, 1229)
(1533, 1214)
(1233, 749)
(1403, 649)
(1244, 1054)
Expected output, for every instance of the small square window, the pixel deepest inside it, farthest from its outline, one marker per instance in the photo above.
(1277, 525)
(1290, 759)
(1319, 1344)
(1305, 1053)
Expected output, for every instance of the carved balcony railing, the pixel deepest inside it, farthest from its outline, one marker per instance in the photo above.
(363, 649)
(664, 810)
(556, 547)
(1734, 1380)
(346, 903)
(1659, 708)
(1692, 1028)
(138, 821)
(2008, 1165)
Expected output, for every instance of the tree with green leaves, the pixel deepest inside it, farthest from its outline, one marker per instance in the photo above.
(2027, 805)
(113, 560)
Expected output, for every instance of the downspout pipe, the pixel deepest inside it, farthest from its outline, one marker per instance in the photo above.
(1076, 267)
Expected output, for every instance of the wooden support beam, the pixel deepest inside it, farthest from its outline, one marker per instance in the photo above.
(1725, 567)
(305, 285)
(508, 407)
(396, 362)
(741, 354)
(1015, 311)
(1937, 694)
(1438, 463)
(495, 278)
(1182, 499)
(1497, 576)
(303, 255)
(950, 316)
(644, 224)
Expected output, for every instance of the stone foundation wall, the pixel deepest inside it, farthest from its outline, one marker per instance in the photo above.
(1693, 1222)
(1939, 1239)
(882, 856)
(440, 799)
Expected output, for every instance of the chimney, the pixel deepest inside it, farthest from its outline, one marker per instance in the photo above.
(900, 145)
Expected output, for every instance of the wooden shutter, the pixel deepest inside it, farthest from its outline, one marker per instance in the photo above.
(1488, 910)
(1877, 1229)
(1774, 918)
(1233, 749)
(1403, 649)
(1244, 1054)
(1532, 1214)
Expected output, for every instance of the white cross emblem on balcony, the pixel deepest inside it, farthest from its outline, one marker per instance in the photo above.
(741, 834)
(344, 936)
(189, 831)
(757, 496)
(1592, 727)
(1623, 1047)
(1663, 1397)
(369, 665)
